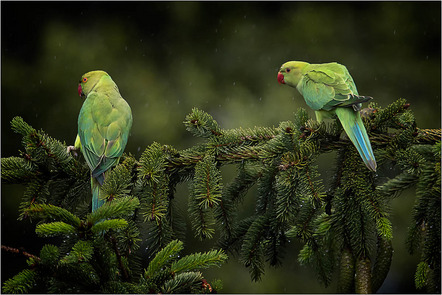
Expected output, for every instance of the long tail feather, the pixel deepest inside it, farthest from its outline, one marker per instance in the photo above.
(353, 126)
(96, 201)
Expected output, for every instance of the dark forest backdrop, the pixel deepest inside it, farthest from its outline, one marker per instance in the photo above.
(222, 57)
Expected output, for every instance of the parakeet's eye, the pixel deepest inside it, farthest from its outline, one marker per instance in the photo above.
(287, 70)
(84, 80)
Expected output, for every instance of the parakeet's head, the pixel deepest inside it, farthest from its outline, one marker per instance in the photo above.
(88, 82)
(291, 72)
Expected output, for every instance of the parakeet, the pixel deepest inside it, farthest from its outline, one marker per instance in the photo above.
(104, 124)
(330, 90)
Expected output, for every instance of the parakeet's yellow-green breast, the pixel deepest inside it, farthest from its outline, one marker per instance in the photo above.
(104, 124)
(330, 90)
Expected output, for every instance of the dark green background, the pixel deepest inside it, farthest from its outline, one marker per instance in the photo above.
(222, 57)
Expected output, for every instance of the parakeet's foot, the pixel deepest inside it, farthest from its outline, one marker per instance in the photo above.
(72, 149)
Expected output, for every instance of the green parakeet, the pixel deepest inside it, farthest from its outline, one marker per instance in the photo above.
(104, 124)
(330, 90)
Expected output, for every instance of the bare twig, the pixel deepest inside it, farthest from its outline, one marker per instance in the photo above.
(20, 252)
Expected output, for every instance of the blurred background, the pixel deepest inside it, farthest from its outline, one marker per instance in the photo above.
(221, 57)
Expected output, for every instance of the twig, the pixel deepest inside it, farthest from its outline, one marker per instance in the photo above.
(120, 262)
(19, 251)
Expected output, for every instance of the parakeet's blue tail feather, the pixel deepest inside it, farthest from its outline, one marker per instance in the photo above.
(353, 126)
(96, 201)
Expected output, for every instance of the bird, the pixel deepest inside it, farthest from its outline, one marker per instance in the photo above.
(329, 90)
(104, 124)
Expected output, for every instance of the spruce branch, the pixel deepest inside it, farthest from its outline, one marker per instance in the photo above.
(51, 211)
(421, 275)
(82, 251)
(355, 228)
(54, 229)
(109, 224)
(201, 124)
(116, 208)
(245, 144)
(17, 170)
(163, 257)
(182, 282)
(232, 195)
(20, 283)
(205, 194)
(252, 248)
(199, 260)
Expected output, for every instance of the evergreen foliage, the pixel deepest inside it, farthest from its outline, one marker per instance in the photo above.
(345, 230)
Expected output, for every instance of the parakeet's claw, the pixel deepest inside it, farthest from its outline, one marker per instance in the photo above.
(72, 149)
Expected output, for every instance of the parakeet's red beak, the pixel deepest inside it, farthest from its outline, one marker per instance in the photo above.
(80, 91)
(281, 78)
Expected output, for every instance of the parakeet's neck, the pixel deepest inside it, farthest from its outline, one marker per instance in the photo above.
(105, 85)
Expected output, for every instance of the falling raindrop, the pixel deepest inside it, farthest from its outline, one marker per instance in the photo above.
(234, 83)
(138, 149)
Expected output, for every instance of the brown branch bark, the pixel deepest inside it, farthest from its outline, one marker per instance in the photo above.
(120, 262)
(20, 252)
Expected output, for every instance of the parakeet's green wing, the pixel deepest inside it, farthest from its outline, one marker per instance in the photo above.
(103, 143)
(326, 86)
(324, 89)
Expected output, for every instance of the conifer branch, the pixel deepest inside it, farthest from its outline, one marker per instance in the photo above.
(163, 257)
(229, 154)
(20, 283)
(350, 223)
